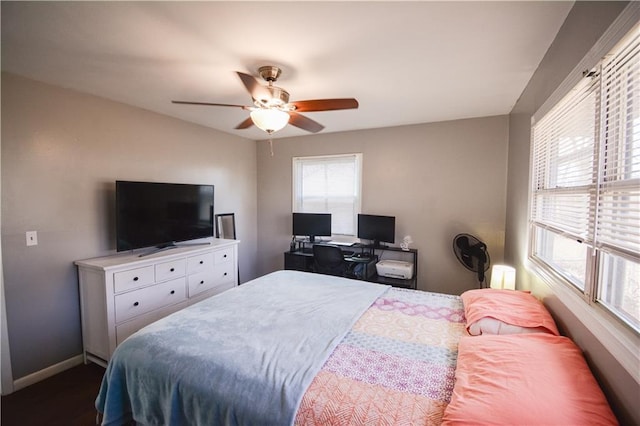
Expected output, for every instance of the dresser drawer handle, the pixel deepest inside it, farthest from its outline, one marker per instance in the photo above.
(202, 262)
(135, 278)
(135, 303)
(225, 274)
(201, 282)
(224, 256)
(172, 269)
(173, 292)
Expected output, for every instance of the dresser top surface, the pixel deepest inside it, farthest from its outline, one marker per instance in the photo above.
(130, 259)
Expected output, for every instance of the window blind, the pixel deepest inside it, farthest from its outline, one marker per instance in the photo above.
(564, 175)
(618, 217)
(329, 184)
(586, 157)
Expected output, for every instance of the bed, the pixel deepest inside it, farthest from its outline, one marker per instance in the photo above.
(309, 349)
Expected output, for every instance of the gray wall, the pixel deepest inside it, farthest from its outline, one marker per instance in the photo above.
(582, 28)
(438, 180)
(61, 154)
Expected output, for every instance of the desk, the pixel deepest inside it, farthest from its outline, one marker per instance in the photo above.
(303, 261)
(300, 260)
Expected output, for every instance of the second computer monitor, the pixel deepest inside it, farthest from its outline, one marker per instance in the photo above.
(312, 225)
(377, 228)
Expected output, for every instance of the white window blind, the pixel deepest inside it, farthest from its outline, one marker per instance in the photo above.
(329, 184)
(564, 175)
(585, 184)
(619, 193)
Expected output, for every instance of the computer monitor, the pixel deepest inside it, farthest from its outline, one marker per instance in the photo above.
(312, 225)
(377, 228)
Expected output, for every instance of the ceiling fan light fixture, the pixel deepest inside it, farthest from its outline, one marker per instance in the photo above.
(269, 120)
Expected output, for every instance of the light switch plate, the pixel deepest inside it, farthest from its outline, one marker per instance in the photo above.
(32, 238)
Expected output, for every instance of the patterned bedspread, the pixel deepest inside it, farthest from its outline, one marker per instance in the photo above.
(395, 366)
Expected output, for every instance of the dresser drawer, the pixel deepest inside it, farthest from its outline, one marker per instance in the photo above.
(224, 273)
(170, 270)
(199, 263)
(138, 302)
(202, 281)
(127, 328)
(212, 292)
(133, 278)
(222, 256)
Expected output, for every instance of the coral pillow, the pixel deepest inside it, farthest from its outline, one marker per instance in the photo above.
(512, 312)
(529, 379)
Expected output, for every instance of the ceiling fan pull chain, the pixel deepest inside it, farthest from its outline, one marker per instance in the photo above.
(271, 146)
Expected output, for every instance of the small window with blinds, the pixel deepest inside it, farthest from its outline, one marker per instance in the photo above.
(329, 184)
(585, 185)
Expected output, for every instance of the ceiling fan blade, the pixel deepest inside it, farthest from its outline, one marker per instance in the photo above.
(245, 124)
(257, 90)
(210, 104)
(304, 123)
(325, 104)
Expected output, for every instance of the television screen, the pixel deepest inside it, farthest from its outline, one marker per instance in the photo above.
(312, 225)
(160, 214)
(377, 228)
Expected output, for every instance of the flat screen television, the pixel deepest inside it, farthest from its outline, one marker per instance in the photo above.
(152, 214)
(377, 228)
(312, 225)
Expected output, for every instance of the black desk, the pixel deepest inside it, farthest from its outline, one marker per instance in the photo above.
(303, 261)
(300, 260)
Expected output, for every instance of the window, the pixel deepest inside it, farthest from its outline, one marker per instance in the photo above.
(585, 185)
(329, 184)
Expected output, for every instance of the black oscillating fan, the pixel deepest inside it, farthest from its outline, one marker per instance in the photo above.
(473, 254)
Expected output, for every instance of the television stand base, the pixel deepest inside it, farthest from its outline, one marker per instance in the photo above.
(172, 246)
(193, 244)
(158, 250)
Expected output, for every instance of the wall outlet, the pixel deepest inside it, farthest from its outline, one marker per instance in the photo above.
(32, 238)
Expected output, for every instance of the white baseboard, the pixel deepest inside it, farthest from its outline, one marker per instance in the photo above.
(38, 376)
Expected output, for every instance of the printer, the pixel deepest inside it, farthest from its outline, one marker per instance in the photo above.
(395, 269)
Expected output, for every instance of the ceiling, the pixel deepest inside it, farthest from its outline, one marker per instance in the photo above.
(405, 62)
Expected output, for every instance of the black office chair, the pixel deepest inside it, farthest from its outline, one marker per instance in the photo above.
(329, 260)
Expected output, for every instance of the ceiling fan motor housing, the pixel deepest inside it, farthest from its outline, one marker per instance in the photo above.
(279, 98)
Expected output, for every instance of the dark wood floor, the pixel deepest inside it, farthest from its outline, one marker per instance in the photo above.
(66, 399)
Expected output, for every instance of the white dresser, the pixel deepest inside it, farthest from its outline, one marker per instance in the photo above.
(120, 294)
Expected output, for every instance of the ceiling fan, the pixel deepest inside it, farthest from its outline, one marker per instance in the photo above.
(271, 109)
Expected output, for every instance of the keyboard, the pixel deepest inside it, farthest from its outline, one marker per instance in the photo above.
(362, 255)
(340, 243)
